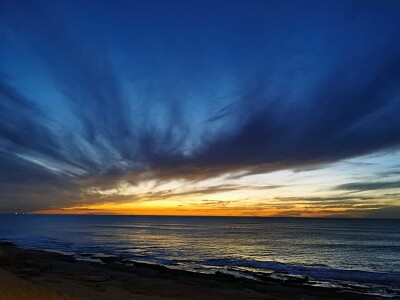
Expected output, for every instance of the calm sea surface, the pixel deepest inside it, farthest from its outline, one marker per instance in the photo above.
(359, 250)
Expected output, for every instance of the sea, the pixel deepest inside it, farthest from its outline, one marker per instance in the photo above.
(361, 255)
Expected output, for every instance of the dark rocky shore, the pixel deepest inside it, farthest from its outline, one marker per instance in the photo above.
(113, 278)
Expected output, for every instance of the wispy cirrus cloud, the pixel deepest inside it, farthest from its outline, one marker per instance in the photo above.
(115, 136)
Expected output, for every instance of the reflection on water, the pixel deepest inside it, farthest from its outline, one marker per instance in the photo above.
(311, 246)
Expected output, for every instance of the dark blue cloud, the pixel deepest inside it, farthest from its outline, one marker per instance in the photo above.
(368, 186)
(99, 92)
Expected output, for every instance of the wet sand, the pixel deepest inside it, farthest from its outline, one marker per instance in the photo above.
(35, 274)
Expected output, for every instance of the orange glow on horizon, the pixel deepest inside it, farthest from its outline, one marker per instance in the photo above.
(197, 210)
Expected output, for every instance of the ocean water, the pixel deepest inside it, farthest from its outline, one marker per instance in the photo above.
(328, 251)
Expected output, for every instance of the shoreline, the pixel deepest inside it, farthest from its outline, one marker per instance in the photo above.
(61, 276)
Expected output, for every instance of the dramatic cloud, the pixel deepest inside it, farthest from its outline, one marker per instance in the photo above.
(274, 109)
(369, 186)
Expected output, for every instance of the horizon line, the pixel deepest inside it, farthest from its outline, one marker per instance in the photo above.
(202, 216)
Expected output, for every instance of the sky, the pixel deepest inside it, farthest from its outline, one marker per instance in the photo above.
(234, 108)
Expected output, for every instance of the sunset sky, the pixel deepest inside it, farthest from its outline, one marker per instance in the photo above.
(238, 108)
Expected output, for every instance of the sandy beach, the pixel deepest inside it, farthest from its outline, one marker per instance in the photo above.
(14, 287)
(35, 274)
